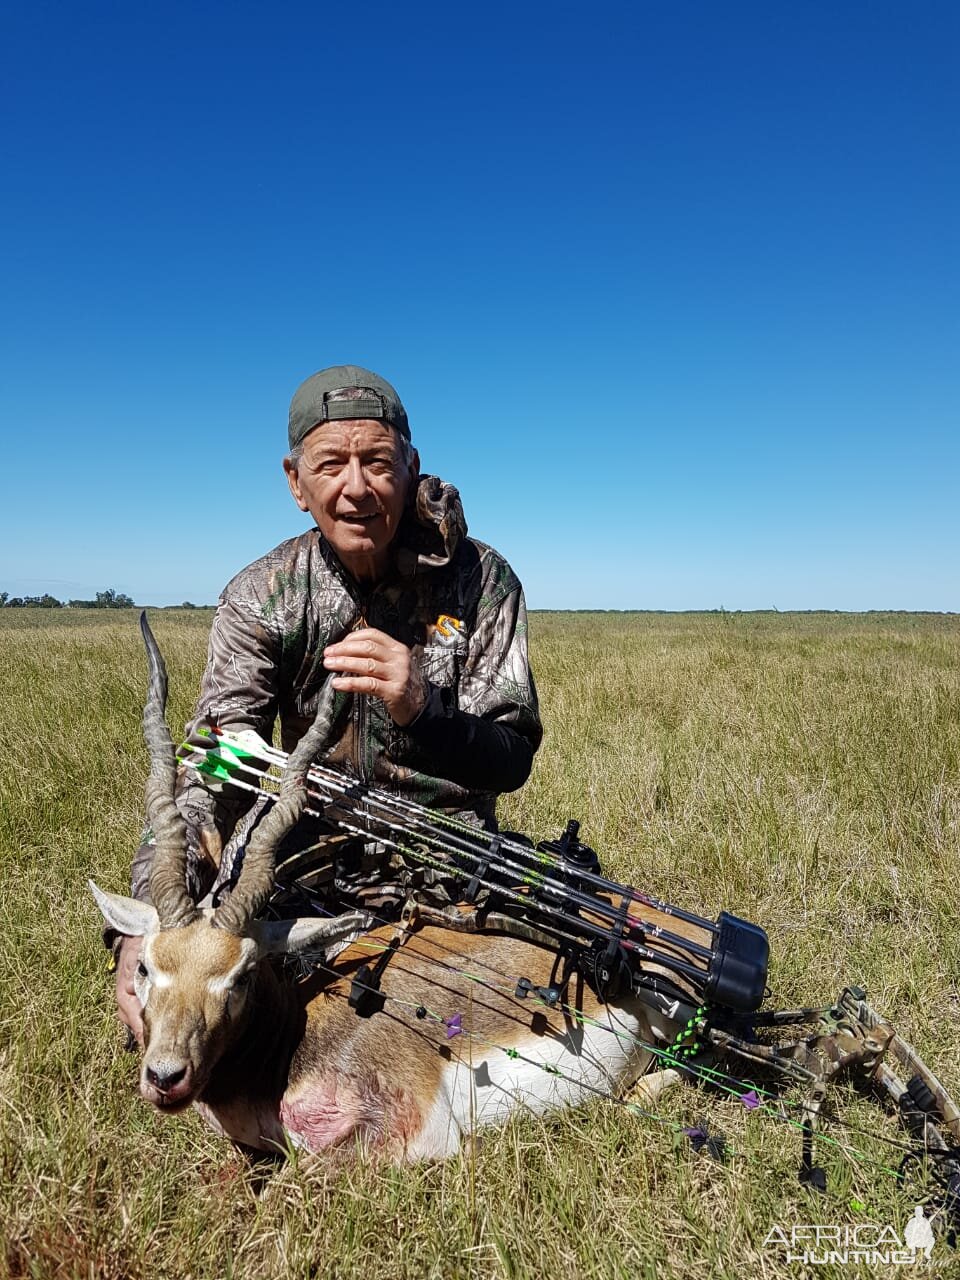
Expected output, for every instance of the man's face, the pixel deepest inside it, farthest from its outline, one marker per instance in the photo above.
(353, 480)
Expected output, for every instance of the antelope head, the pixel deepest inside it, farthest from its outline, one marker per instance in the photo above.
(198, 976)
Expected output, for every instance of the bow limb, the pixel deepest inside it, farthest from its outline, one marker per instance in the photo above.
(933, 1102)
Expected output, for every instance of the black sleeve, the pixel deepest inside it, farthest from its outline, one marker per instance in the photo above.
(482, 755)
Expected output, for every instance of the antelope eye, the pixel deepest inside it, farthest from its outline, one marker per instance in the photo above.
(242, 982)
(141, 970)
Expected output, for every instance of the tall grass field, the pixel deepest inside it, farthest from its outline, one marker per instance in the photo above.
(802, 771)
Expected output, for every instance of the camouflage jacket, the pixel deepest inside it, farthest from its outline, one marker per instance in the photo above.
(453, 600)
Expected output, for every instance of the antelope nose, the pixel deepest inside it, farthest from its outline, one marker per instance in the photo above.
(165, 1078)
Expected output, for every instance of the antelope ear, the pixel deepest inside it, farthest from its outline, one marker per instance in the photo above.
(126, 915)
(274, 937)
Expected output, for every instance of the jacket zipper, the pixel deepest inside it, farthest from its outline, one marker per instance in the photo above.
(360, 720)
(360, 731)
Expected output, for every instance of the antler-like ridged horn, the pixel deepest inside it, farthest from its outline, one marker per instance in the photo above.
(255, 884)
(168, 875)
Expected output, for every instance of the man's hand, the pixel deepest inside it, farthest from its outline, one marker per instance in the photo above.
(128, 1006)
(368, 661)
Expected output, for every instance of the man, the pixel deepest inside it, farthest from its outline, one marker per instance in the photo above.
(420, 629)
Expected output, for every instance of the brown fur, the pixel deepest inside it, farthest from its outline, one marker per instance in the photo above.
(430, 972)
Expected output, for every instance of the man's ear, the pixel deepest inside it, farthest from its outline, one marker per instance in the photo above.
(293, 480)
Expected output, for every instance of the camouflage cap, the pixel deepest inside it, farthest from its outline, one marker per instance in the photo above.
(312, 405)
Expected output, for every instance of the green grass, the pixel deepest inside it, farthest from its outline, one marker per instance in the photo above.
(801, 770)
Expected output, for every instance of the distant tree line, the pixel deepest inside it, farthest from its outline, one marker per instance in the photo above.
(108, 599)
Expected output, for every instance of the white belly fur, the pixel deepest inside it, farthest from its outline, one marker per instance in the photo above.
(258, 1127)
(485, 1085)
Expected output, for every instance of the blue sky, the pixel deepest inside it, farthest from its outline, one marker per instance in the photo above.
(669, 291)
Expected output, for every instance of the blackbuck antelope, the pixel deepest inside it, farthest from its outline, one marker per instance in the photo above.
(270, 1060)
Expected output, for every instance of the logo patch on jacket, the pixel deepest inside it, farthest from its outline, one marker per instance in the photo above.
(445, 629)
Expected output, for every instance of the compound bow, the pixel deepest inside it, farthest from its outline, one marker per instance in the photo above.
(709, 975)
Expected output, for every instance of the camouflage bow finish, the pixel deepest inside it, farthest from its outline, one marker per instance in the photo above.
(853, 1040)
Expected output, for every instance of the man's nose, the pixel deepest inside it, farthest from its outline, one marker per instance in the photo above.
(355, 481)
